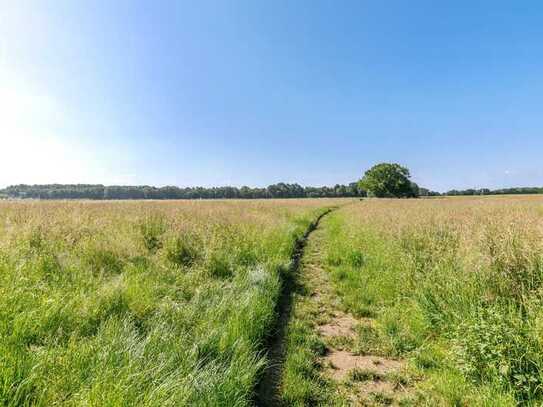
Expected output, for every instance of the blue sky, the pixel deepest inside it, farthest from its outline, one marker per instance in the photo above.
(258, 92)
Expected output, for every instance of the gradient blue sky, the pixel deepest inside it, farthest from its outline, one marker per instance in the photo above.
(257, 92)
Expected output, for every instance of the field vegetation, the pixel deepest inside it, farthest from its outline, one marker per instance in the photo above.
(455, 287)
(141, 303)
(415, 302)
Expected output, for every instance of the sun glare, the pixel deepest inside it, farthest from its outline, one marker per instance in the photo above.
(34, 148)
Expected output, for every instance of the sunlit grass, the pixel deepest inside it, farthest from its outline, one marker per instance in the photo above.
(456, 288)
(140, 303)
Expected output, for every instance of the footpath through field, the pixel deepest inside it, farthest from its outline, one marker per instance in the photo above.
(355, 378)
(268, 391)
(313, 359)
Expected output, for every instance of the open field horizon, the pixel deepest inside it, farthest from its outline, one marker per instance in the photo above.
(271, 203)
(178, 302)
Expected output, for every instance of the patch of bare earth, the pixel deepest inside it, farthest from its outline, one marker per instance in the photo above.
(339, 326)
(343, 363)
(365, 380)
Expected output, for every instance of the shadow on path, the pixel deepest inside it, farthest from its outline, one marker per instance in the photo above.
(267, 390)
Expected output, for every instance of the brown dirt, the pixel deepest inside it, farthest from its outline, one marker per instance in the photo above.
(342, 363)
(339, 326)
(378, 386)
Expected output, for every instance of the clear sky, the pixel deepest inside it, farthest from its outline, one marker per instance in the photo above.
(257, 92)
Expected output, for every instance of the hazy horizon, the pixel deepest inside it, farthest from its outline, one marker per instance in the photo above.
(255, 93)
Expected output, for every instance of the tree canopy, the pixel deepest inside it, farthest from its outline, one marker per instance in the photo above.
(98, 192)
(387, 180)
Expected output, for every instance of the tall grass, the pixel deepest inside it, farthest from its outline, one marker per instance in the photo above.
(140, 303)
(456, 287)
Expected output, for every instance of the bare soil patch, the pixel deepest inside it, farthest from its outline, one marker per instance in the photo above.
(342, 363)
(343, 325)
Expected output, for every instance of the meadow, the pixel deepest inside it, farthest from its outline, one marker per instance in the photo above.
(157, 303)
(454, 287)
(141, 303)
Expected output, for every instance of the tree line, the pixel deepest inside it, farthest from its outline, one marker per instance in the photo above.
(102, 192)
(502, 191)
(385, 180)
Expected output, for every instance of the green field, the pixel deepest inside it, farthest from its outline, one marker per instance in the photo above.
(448, 292)
(154, 303)
(177, 303)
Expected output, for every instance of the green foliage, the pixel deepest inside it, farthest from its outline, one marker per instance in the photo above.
(302, 384)
(503, 191)
(388, 181)
(494, 345)
(363, 375)
(100, 192)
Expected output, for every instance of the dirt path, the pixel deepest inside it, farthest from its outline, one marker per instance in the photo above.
(267, 392)
(363, 378)
(358, 375)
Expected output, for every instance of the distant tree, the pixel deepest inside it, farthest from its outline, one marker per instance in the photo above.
(427, 192)
(245, 192)
(86, 191)
(415, 190)
(424, 191)
(388, 180)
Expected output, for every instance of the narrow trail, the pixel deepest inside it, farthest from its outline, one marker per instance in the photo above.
(267, 391)
(362, 376)
(358, 374)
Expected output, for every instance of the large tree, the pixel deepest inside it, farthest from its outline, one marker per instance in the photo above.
(388, 181)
